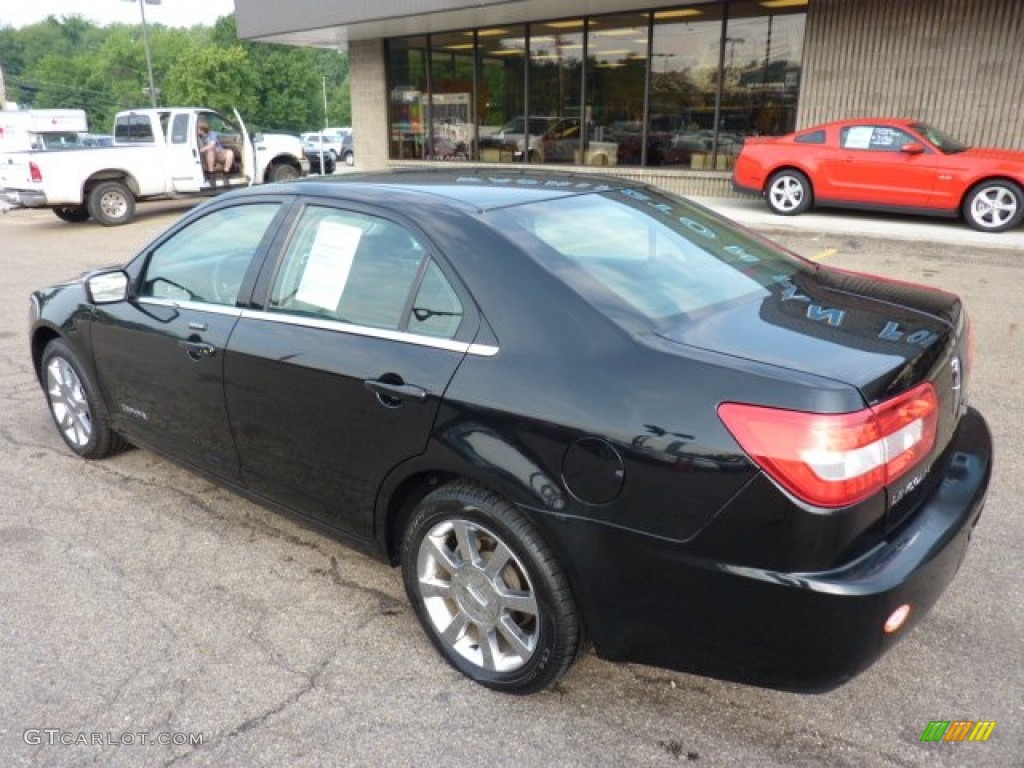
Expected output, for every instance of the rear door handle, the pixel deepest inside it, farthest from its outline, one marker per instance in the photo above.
(199, 349)
(392, 394)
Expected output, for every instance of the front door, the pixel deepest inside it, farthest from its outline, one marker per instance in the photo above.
(339, 378)
(871, 168)
(160, 354)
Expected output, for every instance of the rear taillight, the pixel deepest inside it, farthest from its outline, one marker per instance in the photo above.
(833, 460)
(34, 172)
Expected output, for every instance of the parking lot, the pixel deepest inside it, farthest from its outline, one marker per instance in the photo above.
(144, 604)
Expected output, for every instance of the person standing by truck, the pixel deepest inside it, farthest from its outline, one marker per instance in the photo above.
(214, 152)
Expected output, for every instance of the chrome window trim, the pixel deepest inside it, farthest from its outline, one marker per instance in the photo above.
(198, 306)
(479, 350)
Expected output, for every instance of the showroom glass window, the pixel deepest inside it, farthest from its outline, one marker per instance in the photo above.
(760, 75)
(407, 91)
(450, 111)
(679, 86)
(206, 261)
(555, 88)
(501, 89)
(616, 77)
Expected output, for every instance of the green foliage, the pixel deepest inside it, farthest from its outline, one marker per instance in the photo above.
(69, 62)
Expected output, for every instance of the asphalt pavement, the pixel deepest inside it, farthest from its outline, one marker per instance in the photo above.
(141, 601)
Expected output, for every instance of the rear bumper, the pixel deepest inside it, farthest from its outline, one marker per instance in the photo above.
(653, 603)
(23, 198)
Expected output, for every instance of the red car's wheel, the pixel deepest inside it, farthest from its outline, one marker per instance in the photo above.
(789, 193)
(994, 206)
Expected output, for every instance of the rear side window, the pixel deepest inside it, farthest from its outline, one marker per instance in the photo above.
(363, 270)
(814, 137)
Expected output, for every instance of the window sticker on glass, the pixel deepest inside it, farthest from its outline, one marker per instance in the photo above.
(859, 137)
(329, 264)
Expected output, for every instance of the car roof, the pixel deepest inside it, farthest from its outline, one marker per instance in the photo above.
(900, 121)
(472, 189)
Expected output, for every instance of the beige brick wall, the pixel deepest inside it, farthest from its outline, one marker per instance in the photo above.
(956, 63)
(369, 103)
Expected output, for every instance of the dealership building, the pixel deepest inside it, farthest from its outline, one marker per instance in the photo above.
(663, 92)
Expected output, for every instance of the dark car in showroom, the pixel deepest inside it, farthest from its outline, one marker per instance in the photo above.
(575, 411)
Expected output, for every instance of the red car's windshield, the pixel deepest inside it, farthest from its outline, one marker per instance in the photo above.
(942, 140)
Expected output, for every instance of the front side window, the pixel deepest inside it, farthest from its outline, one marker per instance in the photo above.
(361, 270)
(877, 138)
(207, 260)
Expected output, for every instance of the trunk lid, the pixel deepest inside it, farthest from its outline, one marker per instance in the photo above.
(880, 336)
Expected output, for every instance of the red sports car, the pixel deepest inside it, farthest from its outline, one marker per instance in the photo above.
(884, 164)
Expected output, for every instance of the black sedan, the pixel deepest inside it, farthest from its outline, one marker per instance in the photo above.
(574, 410)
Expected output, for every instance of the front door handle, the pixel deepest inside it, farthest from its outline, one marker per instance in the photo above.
(392, 393)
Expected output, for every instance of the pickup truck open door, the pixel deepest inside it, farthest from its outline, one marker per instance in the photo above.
(248, 151)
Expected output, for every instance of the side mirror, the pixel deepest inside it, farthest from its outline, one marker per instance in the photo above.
(107, 287)
(913, 148)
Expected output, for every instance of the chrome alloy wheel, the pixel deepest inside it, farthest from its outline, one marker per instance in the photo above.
(477, 595)
(68, 402)
(786, 193)
(994, 207)
(113, 204)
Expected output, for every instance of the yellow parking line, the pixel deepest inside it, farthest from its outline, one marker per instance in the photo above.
(828, 253)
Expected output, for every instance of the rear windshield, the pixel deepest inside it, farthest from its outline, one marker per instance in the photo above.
(647, 257)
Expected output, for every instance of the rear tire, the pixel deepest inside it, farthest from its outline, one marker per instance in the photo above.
(789, 193)
(283, 172)
(111, 203)
(73, 403)
(994, 206)
(74, 214)
(488, 591)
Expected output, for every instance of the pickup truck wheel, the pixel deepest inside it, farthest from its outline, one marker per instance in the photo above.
(75, 214)
(283, 172)
(111, 203)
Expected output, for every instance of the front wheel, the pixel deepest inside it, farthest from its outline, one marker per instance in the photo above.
(488, 591)
(111, 203)
(75, 214)
(350, 159)
(73, 405)
(994, 206)
(789, 193)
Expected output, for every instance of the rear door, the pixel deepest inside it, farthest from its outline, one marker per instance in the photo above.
(183, 158)
(339, 377)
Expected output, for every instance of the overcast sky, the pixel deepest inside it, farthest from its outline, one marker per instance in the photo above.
(171, 13)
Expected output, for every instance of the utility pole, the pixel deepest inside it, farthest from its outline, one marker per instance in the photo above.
(145, 39)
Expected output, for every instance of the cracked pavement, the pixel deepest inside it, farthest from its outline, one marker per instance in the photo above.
(138, 597)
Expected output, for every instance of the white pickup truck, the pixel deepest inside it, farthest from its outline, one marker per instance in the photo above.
(155, 156)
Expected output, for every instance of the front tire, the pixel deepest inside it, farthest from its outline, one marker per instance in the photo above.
(350, 159)
(789, 193)
(73, 404)
(74, 214)
(994, 206)
(488, 591)
(111, 203)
